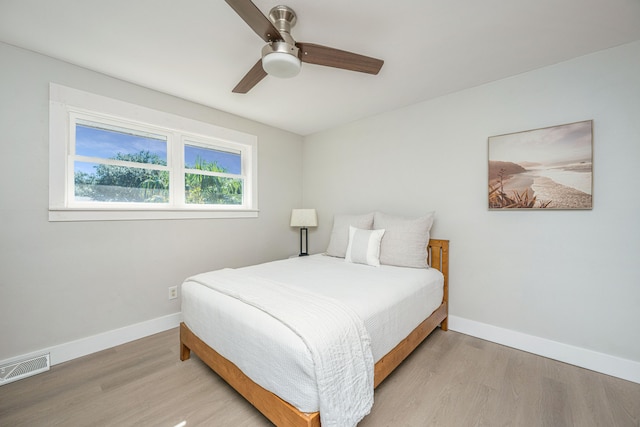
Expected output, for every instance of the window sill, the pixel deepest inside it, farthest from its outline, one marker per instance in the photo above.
(56, 215)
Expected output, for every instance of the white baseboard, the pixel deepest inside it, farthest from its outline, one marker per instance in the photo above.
(610, 365)
(84, 346)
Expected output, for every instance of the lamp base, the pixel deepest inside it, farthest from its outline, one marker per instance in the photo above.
(304, 231)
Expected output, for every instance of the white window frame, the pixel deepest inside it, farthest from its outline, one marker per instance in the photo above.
(66, 105)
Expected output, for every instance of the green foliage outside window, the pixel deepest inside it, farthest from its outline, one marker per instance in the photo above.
(206, 189)
(112, 183)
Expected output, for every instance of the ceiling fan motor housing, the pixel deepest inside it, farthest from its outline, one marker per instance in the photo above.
(280, 57)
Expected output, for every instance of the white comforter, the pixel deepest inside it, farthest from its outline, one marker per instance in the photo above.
(334, 334)
(391, 301)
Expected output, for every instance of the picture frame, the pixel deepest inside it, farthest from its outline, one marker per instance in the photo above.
(545, 168)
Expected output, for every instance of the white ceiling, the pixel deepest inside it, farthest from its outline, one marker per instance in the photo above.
(199, 49)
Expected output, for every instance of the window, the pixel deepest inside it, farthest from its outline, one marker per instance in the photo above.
(117, 165)
(104, 165)
(212, 176)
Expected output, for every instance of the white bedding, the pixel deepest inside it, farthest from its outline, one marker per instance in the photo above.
(391, 301)
(333, 333)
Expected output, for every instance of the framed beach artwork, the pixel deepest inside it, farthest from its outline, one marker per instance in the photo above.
(549, 168)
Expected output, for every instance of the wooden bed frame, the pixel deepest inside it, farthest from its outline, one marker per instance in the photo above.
(283, 414)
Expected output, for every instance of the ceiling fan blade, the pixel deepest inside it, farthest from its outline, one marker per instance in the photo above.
(259, 23)
(330, 57)
(252, 78)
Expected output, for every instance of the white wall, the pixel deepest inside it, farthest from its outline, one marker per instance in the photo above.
(61, 282)
(569, 277)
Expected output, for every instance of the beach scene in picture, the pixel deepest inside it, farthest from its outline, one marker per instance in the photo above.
(549, 168)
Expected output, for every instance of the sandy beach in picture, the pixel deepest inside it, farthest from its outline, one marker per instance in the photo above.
(546, 168)
(547, 190)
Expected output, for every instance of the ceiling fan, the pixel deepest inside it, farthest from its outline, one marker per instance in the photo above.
(282, 55)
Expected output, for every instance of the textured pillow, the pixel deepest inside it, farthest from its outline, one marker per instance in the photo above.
(364, 246)
(340, 233)
(405, 240)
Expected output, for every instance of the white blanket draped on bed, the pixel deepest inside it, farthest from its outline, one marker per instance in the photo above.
(335, 336)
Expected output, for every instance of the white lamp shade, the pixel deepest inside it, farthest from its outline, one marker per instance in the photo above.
(304, 218)
(280, 64)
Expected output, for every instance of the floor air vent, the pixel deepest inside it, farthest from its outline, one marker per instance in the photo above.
(19, 369)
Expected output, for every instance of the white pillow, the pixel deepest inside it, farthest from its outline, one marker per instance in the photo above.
(364, 246)
(405, 239)
(340, 233)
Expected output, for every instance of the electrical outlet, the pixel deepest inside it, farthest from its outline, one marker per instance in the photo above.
(173, 292)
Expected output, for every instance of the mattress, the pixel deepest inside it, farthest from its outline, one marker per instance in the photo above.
(391, 301)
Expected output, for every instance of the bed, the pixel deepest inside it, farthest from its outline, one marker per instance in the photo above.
(270, 365)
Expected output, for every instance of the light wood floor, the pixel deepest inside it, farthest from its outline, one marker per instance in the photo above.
(450, 380)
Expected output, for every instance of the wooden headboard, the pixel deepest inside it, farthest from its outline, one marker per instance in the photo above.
(438, 258)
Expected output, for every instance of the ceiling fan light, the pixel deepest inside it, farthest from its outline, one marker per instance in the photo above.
(281, 64)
